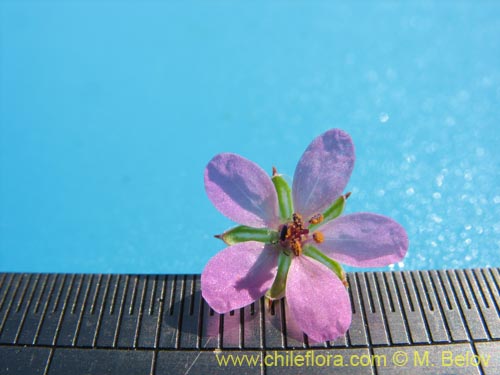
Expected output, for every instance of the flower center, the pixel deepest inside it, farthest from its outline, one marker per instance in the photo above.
(293, 234)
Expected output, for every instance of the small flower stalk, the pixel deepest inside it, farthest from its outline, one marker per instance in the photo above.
(291, 241)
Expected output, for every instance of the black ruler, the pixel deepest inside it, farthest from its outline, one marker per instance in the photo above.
(159, 324)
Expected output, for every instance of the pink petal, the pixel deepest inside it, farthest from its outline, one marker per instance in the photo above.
(322, 172)
(317, 300)
(242, 191)
(238, 275)
(364, 240)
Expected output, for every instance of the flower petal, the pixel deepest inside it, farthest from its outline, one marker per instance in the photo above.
(238, 275)
(322, 172)
(317, 300)
(242, 191)
(364, 240)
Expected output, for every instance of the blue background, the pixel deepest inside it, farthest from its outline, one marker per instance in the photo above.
(109, 113)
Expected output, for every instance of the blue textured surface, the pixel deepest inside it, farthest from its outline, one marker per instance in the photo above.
(109, 113)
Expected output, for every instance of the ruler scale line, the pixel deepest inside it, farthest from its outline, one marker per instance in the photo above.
(38, 300)
(365, 315)
(101, 312)
(44, 309)
(82, 310)
(77, 295)
(418, 304)
(63, 312)
(485, 305)
(491, 289)
(441, 310)
(180, 310)
(58, 279)
(25, 288)
(9, 308)
(120, 312)
(141, 312)
(59, 293)
(152, 296)
(10, 302)
(28, 304)
(6, 291)
(381, 297)
(161, 304)
(2, 280)
(115, 294)
(455, 320)
(495, 273)
(467, 328)
(96, 294)
(469, 310)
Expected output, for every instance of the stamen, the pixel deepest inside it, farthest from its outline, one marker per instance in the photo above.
(293, 234)
(297, 220)
(316, 219)
(318, 237)
(304, 232)
(296, 247)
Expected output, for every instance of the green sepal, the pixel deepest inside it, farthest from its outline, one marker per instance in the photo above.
(335, 210)
(316, 254)
(277, 290)
(284, 193)
(242, 233)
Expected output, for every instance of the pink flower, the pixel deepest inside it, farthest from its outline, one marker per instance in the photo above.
(301, 232)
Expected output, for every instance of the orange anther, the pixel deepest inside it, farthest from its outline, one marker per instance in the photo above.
(296, 247)
(318, 237)
(316, 219)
